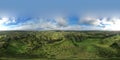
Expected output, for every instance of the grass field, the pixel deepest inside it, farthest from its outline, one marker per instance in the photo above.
(44, 45)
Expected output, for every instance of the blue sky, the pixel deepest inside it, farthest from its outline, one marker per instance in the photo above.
(59, 14)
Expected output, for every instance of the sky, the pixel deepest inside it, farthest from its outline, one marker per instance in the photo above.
(59, 15)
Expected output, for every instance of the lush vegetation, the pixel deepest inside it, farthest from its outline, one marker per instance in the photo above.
(60, 44)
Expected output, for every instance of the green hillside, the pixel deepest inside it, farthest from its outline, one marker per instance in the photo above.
(59, 45)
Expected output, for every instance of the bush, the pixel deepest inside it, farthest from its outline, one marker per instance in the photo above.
(106, 52)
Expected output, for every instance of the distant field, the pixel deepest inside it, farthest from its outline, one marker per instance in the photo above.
(44, 45)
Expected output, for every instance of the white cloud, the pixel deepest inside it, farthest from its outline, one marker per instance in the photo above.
(42, 23)
(4, 21)
(113, 23)
(90, 21)
(61, 21)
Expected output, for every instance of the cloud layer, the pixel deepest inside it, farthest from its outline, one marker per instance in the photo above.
(60, 23)
(105, 23)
